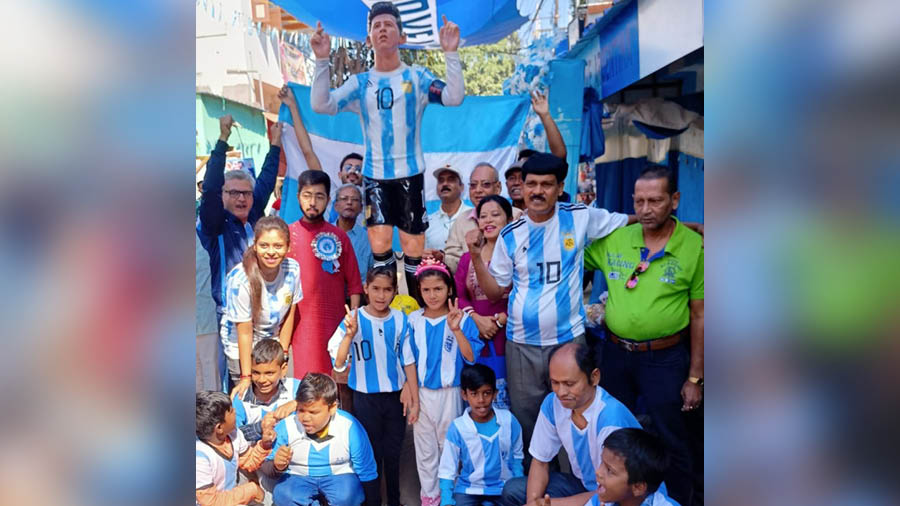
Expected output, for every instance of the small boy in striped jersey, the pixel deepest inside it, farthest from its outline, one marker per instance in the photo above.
(483, 447)
(322, 453)
(270, 390)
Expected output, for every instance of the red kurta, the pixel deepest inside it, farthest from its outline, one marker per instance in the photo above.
(322, 307)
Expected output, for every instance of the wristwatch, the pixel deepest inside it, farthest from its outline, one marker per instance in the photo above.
(695, 380)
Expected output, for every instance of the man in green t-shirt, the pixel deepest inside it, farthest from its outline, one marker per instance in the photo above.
(654, 318)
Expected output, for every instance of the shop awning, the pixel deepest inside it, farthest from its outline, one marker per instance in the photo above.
(635, 38)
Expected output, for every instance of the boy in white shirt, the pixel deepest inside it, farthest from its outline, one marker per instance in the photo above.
(221, 450)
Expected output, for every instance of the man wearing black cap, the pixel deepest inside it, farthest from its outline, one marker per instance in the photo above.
(513, 176)
(390, 99)
(542, 256)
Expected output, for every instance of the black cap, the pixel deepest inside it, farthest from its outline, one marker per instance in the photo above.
(516, 167)
(384, 8)
(542, 164)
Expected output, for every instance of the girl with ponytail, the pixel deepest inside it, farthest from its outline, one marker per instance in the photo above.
(260, 298)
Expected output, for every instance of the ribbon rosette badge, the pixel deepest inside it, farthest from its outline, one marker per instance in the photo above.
(327, 247)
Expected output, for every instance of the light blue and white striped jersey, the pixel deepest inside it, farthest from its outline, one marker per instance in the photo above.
(377, 354)
(390, 106)
(434, 346)
(214, 469)
(481, 464)
(544, 262)
(248, 410)
(277, 298)
(345, 450)
(657, 498)
(554, 428)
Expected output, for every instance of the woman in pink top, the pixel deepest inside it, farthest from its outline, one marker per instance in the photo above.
(493, 213)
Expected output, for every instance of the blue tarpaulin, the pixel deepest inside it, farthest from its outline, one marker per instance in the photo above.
(479, 22)
(593, 143)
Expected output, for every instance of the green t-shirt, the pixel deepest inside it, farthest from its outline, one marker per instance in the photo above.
(658, 306)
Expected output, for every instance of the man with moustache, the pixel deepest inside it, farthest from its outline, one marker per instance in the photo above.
(541, 256)
(328, 267)
(449, 188)
(483, 181)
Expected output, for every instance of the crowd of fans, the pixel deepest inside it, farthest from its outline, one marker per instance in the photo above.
(326, 360)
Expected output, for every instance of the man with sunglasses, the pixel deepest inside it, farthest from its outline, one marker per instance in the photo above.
(654, 318)
(349, 172)
(483, 181)
(231, 204)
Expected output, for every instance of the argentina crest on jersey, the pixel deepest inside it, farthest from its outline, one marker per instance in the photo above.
(449, 339)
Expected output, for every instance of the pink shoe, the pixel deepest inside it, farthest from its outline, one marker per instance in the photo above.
(431, 501)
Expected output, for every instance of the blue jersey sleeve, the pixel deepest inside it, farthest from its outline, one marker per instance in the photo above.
(447, 493)
(545, 442)
(240, 414)
(281, 438)
(449, 464)
(517, 454)
(470, 330)
(410, 348)
(615, 414)
(406, 354)
(361, 455)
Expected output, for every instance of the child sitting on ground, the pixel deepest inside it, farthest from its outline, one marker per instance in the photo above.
(483, 447)
(634, 462)
(221, 450)
(270, 389)
(322, 453)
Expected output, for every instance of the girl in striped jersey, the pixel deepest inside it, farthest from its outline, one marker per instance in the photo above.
(260, 299)
(442, 339)
(372, 342)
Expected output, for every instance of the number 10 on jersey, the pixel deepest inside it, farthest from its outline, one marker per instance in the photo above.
(548, 272)
(362, 350)
(384, 98)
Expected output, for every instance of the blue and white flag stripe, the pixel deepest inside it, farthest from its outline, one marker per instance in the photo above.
(482, 129)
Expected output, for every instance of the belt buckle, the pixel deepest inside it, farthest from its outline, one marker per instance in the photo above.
(629, 346)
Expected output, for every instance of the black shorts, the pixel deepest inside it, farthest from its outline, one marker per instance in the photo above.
(397, 202)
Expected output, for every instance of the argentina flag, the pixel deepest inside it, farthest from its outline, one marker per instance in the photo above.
(482, 129)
